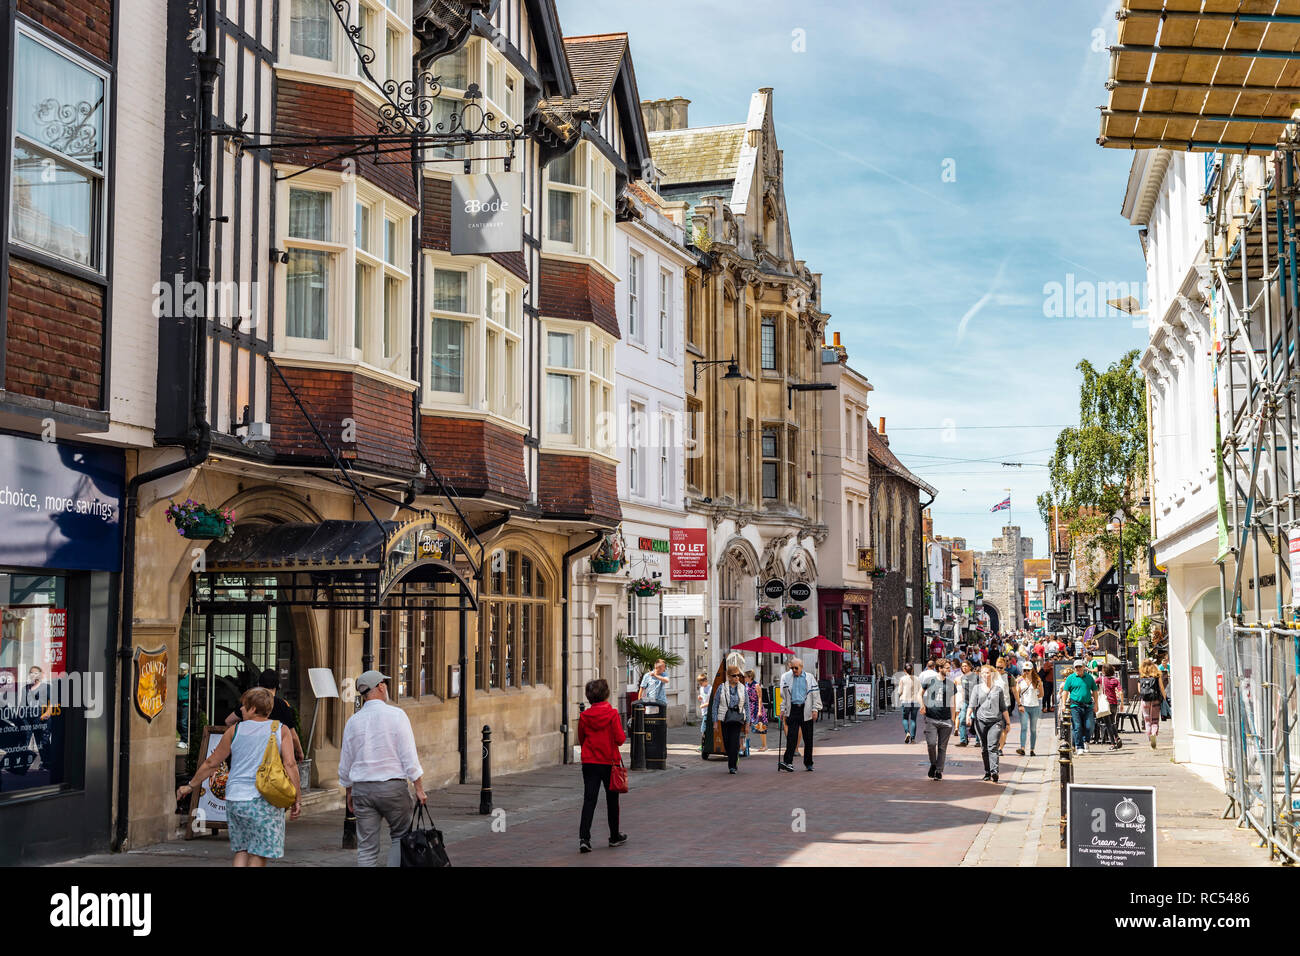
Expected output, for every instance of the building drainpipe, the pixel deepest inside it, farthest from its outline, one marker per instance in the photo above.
(209, 69)
(594, 541)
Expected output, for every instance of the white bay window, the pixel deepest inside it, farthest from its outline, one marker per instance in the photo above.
(579, 205)
(477, 63)
(474, 334)
(579, 393)
(314, 41)
(347, 288)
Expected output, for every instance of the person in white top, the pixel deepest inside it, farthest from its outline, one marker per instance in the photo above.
(909, 699)
(376, 760)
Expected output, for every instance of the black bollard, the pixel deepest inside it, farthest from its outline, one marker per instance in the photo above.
(638, 736)
(1067, 776)
(485, 791)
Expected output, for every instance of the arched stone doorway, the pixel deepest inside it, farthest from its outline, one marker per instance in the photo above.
(995, 618)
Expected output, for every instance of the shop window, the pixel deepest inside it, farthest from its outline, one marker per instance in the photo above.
(37, 734)
(59, 110)
(512, 648)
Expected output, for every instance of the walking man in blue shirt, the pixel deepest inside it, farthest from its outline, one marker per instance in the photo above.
(800, 703)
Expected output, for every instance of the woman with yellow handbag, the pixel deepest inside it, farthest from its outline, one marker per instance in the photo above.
(262, 783)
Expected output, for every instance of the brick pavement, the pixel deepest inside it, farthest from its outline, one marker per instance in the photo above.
(869, 803)
(1025, 830)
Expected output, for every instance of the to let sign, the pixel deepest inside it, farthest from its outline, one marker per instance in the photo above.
(688, 558)
(1198, 681)
(1110, 826)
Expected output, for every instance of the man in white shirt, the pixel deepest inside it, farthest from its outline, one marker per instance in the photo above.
(377, 759)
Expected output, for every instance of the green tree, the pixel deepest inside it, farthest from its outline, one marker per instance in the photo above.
(644, 654)
(1098, 468)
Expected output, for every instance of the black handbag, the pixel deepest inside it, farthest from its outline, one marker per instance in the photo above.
(423, 847)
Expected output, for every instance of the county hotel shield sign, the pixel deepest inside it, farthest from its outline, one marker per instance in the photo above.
(150, 681)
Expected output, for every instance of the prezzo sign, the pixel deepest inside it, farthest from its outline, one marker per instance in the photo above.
(688, 558)
(1111, 826)
(487, 213)
(60, 505)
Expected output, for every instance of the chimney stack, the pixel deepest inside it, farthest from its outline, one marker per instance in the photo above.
(837, 340)
(881, 429)
(666, 114)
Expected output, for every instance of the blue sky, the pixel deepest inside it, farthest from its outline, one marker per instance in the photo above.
(937, 287)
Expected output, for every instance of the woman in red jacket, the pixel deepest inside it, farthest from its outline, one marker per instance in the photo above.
(600, 734)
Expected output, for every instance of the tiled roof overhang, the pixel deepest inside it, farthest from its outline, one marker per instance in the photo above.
(1203, 75)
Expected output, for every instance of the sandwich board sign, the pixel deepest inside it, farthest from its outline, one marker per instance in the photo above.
(1109, 826)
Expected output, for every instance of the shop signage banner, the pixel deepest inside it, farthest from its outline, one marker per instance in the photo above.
(1294, 553)
(1111, 826)
(652, 544)
(862, 699)
(683, 605)
(774, 589)
(487, 213)
(688, 559)
(1198, 682)
(800, 591)
(60, 505)
(1218, 692)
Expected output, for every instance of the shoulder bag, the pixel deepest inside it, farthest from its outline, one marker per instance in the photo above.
(423, 846)
(272, 782)
(618, 777)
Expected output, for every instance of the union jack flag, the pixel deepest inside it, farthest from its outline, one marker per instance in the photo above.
(1003, 505)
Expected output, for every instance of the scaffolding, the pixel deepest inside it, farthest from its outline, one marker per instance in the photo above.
(1221, 77)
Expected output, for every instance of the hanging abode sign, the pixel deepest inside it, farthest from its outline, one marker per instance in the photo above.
(150, 681)
(487, 213)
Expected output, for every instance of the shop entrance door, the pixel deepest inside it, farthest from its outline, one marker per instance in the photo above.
(241, 641)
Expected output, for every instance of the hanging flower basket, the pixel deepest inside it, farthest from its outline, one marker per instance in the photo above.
(199, 522)
(878, 572)
(609, 557)
(794, 612)
(767, 614)
(645, 587)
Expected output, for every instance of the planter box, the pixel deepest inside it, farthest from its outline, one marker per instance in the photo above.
(604, 567)
(206, 527)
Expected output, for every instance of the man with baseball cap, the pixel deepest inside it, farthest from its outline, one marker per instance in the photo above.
(377, 759)
(1079, 694)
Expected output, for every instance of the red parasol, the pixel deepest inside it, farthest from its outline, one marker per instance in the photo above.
(761, 645)
(820, 643)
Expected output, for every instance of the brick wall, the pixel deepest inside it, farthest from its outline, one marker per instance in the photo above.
(54, 346)
(476, 457)
(83, 23)
(306, 109)
(573, 290)
(574, 486)
(384, 431)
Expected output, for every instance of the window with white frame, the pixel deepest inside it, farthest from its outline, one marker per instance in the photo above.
(314, 40)
(477, 63)
(579, 393)
(665, 310)
(579, 213)
(474, 337)
(667, 442)
(347, 288)
(636, 448)
(311, 275)
(60, 129)
(635, 271)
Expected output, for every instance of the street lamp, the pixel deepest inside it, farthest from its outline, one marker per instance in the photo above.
(732, 374)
